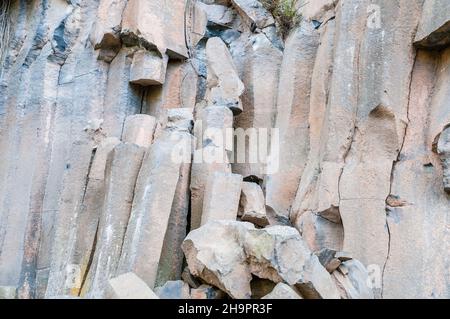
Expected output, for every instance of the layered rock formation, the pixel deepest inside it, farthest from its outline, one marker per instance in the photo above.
(225, 148)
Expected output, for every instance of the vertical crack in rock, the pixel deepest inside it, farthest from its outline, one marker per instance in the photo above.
(399, 158)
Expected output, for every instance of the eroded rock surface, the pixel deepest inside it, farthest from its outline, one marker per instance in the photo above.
(338, 187)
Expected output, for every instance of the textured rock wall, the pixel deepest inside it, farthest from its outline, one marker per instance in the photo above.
(96, 95)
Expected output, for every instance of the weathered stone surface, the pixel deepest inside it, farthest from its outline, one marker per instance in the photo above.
(443, 149)
(197, 24)
(218, 14)
(7, 292)
(224, 85)
(256, 58)
(123, 165)
(292, 118)
(353, 283)
(129, 286)
(328, 259)
(174, 290)
(252, 206)
(253, 13)
(320, 233)
(148, 68)
(207, 292)
(214, 123)
(171, 261)
(152, 205)
(221, 198)
(282, 291)
(261, 287)
(434, 26)
(220, 262)
(107, 26)
(276, 253)
(362, 108)
(156, 23)
(139, 130)
(202, 169)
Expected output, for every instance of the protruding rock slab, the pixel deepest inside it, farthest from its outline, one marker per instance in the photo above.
(173, 290)
(122, 169)
(252, 206)
(222, 194)
(153, 200)
(129, 286)
(148, 68)
(220, 262)
(434, 28)
(139, 129)
(224, 85)
(352, 280)
(156, 24)
(282, 291)
(278, 253)
(253, 13)
(106, 29)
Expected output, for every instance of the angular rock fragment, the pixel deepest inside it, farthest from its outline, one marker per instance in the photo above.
(353, 282)
(123, 165)
(327, 258)
(188, 278)
(139, 129)
(320, 233)
(278, 253)
(148, 68)
(222, 195)
(224, 85)
(343, 256)
(174, 290)
(218, 14)
(434, 27)
(252, 206)
(154, 196)
(282, 291)
(220, 262)
(156, 24)
(196, 24)
(106, 29)
(253, 13)
(207, 292)
(129, 286)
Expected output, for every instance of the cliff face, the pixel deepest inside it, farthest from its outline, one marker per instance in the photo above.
(353, 183)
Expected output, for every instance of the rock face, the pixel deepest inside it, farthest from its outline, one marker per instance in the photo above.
(129, 286)
(277, 253)
(282, 149)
